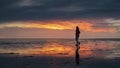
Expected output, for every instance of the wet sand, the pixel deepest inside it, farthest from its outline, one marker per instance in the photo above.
(10, 61)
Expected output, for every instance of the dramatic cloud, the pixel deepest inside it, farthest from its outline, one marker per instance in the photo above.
(19, 10)
(63, 25)
(92, 16)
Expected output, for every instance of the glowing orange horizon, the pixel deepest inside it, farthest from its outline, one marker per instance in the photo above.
(59, 25)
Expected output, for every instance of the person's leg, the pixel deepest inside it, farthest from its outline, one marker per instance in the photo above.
(77, 39)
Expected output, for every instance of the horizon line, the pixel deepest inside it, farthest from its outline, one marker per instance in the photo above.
(59, 38)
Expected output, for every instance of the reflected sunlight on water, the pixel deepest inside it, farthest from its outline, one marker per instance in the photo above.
(53, 49)
(88, 48)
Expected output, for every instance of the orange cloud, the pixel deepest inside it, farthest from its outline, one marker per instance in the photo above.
(60, 25)
(71, 24)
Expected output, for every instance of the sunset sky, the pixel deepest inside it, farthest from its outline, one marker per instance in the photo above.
(58, 18)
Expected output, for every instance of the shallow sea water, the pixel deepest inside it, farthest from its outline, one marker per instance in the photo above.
(97, 48)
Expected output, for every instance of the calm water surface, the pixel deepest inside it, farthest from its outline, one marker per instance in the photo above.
(98, 48)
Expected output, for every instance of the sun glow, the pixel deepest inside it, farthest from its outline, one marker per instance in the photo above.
(59, 25)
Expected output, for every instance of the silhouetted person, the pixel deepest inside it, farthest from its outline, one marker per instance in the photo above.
(77, 34)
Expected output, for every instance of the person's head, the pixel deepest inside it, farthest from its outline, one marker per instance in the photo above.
(77, 27)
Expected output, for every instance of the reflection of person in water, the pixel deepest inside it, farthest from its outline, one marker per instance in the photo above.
(77, 34)
(77, 55)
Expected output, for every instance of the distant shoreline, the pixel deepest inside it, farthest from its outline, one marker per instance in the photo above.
(67, 38)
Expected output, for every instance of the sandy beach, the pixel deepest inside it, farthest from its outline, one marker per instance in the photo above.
(10, 61)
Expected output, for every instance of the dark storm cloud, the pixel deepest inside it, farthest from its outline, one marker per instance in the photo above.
(20, 10)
